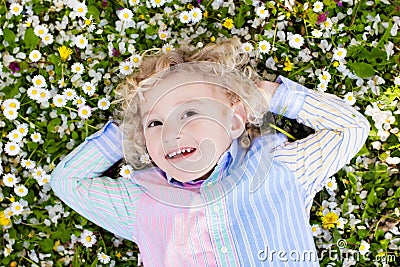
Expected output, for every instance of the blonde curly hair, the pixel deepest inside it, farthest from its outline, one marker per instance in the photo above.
(226, 55)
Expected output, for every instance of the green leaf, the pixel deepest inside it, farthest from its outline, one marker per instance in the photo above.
(30, 38)
(11, 90)
(239, 18)
(92, 10)
(54, 59)
(46, 245)
(39, 9)
(54, 149)
(9, 36)
(371, 197)
(75, 135)
(94, 263)
(362, 70)
(53, 123)
(386, 35)
(363, 151)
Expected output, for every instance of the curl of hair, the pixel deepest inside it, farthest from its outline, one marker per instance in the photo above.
(227, 53)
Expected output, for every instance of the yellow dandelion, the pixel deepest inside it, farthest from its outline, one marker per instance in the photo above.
(65, 52)
(288, 65)
(329, 220)
(228, 23)
(4, 220)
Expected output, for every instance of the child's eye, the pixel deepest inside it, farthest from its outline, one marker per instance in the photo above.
(189, 114)
(154, 123)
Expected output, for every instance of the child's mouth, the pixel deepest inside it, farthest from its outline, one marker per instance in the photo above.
(182, 153)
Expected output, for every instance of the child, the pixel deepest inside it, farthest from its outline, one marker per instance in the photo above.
(223, 191)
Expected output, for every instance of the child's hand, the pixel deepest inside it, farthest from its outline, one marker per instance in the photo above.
(268, 87)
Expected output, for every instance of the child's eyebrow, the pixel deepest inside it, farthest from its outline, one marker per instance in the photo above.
(183, 102)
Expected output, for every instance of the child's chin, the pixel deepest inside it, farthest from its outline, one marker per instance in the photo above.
(184, 178)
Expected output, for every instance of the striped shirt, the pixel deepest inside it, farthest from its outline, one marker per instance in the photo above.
(254, 208)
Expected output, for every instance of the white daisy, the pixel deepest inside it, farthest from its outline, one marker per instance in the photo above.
(339, 53)
(43, 96)
(324, 77)
(14, 136)
(40, 30)
(264, 47)
(195, 15)
(17, 208)
(15, 9)
(10, 114)
(322, 87)
(392, 160)
(7, 250)
(126, 171)
(136, 60)
(44, 179)
(10, 180)
(103, 258)
(167, 48)
(33, 93)
(157, 3)
(125, 15)
(35, 55)
(20, 190)
(318, 7)
(69, 94)
(36, 137)
(126, 67)
(296, 41)
(103, 104)
(247, 47)
(261, 12)
(84, 112)
(11, 104)
(23, 129)
(59, 100)
(80, 9)
(47, 39)
(331, 184)
(327, 24)
(87, 238)
(62, 83)
(163, 35)
(28, 164)
(349, 98)
(38, 172)
(88, 88)
(185, 17)
(134, 2)
(39, 81)
(341, 223)
(145, 159)
(77, 68)
(316, 33)
(12, 148)
(364, 248)
(79, 101)
(80, 41)
(316, 230)
(397, 81)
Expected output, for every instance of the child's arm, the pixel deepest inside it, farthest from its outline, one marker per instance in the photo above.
(110, 203)
(340, 132)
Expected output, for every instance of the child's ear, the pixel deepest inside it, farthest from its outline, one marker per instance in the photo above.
(238, 120)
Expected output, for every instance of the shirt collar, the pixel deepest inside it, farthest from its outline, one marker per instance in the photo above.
(228, 161)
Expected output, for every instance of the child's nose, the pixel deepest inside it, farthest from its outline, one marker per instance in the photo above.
(171, 133)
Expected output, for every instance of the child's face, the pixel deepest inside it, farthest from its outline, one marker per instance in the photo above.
(188, 127)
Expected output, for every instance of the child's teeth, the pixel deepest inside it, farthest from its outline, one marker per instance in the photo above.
(185, 150)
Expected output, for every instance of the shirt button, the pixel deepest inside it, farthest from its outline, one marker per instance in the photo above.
(224, 250)
(216, 208)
